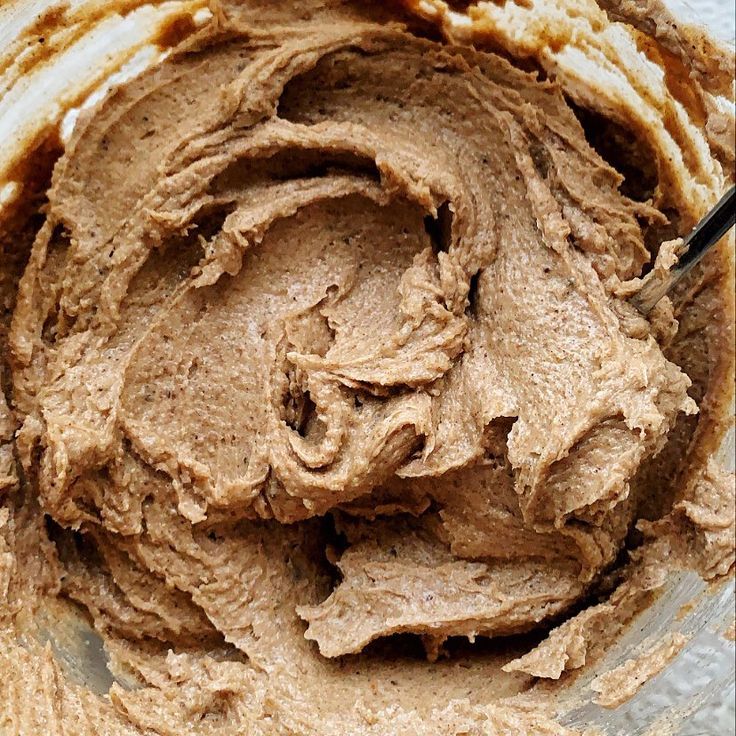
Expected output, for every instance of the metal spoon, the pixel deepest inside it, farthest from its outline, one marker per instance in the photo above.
(705, 235)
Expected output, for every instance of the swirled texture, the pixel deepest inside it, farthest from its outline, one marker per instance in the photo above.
(335, 294)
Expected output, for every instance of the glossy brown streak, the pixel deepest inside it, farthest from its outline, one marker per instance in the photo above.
(682, 89)
(173, 31)
(676, 75)
(36, 34)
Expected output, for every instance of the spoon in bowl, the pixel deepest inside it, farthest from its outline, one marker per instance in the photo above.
(705, 235)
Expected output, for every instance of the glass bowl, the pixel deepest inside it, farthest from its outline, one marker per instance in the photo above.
(692, 696)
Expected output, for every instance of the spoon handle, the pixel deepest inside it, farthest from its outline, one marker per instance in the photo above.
(705, 235)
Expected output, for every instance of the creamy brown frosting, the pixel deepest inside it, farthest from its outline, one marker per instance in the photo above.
(324, 338)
